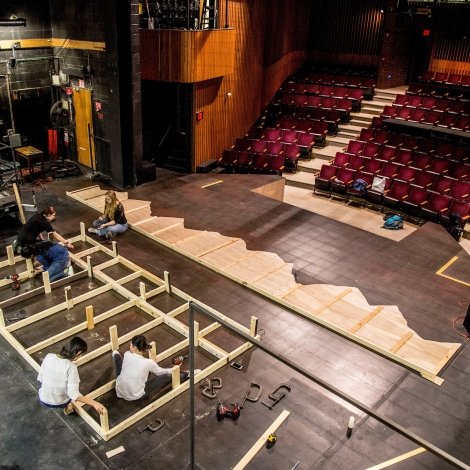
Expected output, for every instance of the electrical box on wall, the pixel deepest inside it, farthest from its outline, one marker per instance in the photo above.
(199, 116)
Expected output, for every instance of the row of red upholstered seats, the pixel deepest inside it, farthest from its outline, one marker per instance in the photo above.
(355, 95)
(431, 118)
(430, 146)
(290, 104)
(446, 78)
(431, 103)
(432, 197)
(246, 162)
(307, 135)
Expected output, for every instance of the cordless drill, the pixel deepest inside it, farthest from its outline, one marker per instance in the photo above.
(15, 281)
(225, 412)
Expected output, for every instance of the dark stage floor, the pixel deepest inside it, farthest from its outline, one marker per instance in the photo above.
(323, 251)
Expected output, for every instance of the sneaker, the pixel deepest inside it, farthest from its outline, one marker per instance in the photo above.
(93, 230)
(109, 235)
(68, 410)
(188, 373)
(70, 271)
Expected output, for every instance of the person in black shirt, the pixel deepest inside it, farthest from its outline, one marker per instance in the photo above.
(113, 221)
(37, 225)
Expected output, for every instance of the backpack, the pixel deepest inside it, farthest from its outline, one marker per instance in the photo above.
(360, 186)
(394, 222)
(455, 227)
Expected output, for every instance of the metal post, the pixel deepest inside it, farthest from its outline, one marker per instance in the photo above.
(192, 411)
(226, 13)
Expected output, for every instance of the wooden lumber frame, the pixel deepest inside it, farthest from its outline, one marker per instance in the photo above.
(132, 300)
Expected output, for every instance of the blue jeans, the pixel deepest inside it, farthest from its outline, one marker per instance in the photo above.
(115, 229)
(56, 267)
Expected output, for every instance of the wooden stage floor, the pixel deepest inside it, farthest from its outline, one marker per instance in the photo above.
(322, 251)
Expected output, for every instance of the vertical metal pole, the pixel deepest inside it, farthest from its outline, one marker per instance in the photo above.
(226, 13)
(188, 14)
(191, 385)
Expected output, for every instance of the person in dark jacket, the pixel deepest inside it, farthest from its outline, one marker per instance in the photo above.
(113, 221)
(34, 228)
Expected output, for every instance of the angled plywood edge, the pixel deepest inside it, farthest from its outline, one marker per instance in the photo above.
(342, 309)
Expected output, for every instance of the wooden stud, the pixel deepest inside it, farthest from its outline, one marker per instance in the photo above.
(322, 308)
(89, 267)
(257, 446)
(10, 255)
(104, 421)
(68, 297)
(153, 351)
(46, 282)
(166, 275)
(90, 321)
(18, 203)
(82, 231)
(30, 266)
(115, 248)
(2, 319)
(253, 326)
(196, 334)
(113, 334)
(143, 294)
(366, 319)
(175, 377)
(401, 342)
(400, 458)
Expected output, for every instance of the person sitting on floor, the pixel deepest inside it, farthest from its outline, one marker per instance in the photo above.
(132, 372)
(53, 258)
(36, 226)
(113, 221)
(60, 381)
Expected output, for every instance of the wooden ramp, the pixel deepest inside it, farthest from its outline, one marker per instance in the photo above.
(342, 309)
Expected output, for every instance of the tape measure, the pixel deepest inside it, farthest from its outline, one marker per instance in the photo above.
(272, 438)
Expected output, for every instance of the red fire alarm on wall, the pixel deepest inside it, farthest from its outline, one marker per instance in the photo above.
(199, 116)
(426, 32)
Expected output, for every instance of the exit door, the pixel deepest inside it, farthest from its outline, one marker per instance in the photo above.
(84, 127)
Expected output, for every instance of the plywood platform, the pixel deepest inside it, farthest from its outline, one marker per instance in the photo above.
(342, 309)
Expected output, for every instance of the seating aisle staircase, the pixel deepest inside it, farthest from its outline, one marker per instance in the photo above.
(305, 175)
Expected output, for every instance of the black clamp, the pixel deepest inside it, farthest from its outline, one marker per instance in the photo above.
(209, 387)
(276, 398)
(250, 398)
(152, 426)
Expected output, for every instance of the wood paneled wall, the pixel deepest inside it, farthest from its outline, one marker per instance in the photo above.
(271, 40)
(347, 31)
(172, 55)
(451, 38)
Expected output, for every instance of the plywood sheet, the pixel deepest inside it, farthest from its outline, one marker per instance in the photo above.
(205, 243)
(279, 283)
(156, 224)
(227, 255)
(255, 267)
(176, 234)
(310, 298)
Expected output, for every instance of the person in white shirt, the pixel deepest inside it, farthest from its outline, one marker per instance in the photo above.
(60, 381)
(133, 370)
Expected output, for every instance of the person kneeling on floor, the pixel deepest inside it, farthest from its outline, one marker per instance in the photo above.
(60, 381)
(113, 221)
(53, 258)
(132, 372)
